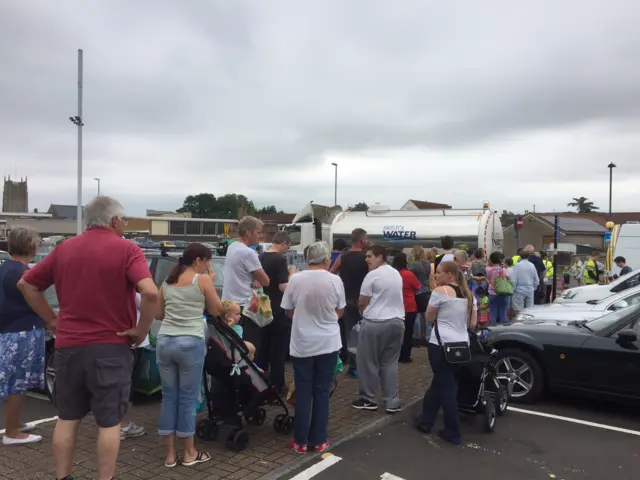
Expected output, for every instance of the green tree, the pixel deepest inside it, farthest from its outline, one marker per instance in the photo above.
(202, 205)
(268, 209)
(583, 205)
(206, 205)
(360, 207)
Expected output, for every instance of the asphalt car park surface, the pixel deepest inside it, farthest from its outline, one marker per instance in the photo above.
(523, 446)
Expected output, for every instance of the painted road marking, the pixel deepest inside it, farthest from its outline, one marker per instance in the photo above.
(575, 420)
(328, 460)
(37, 396)
(37, 422)
(389, 476)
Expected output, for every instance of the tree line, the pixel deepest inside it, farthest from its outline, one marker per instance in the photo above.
(231, 205)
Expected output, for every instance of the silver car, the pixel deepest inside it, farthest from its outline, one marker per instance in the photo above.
(566, 312)
(586, 293)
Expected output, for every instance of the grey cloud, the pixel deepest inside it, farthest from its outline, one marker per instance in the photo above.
(246, 85)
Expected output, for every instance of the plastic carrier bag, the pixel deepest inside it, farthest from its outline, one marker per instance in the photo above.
(352, 342)
(259, 308)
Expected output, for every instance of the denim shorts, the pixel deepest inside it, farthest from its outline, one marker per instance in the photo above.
(21, 362)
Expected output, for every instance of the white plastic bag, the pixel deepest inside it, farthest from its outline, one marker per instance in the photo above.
(352, 342)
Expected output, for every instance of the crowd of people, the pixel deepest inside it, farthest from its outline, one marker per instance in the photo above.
(109, 301)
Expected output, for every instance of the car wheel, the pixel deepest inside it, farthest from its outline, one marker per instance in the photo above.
(521, 373)
(49, 374)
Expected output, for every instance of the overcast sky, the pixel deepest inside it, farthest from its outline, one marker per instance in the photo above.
(518, 103)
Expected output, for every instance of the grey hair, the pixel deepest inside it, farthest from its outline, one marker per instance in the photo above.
(101, 210)
(528, 249)
(461, 255)
(23, 241)
(248, 224)
(318, 253)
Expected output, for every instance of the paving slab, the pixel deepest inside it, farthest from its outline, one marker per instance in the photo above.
(143, 457)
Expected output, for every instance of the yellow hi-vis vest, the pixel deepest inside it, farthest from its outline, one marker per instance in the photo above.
(549, 266)
(515, 259)
(590, 271)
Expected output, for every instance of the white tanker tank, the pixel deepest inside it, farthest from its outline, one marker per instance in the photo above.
(400, 229)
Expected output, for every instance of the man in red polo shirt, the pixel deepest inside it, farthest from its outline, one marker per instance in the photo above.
(96, 275)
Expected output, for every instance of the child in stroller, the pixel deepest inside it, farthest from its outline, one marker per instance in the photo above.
(479, 390)
(235, 389)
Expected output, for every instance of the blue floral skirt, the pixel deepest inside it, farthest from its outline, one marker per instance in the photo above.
(21, 362)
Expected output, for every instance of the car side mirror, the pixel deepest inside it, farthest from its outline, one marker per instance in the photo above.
(627, 336)
(619, 305)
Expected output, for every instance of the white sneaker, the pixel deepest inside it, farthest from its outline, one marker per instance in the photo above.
(21, 441)
(28, 427)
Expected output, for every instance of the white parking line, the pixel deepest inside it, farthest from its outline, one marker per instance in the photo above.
(390, 476)
(328, 460)
(37, 422)
(575, 420)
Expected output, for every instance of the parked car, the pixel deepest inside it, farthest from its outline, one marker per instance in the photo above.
(181, 244)
(160, 267)
(565, 312)
(586, 293)
(167, 244)
(4, 256)
(598, 358)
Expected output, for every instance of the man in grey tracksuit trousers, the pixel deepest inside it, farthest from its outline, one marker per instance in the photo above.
(381, 333)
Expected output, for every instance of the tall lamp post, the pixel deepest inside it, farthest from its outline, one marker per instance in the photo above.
(77, 121)
(335, 184)
(611, 166)
(97, 180)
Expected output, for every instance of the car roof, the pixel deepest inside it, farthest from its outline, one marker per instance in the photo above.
(159, 255)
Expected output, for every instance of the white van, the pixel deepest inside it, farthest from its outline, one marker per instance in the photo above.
(596, 292)
(625, 242)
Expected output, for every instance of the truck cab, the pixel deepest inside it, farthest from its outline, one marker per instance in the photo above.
(312, 224)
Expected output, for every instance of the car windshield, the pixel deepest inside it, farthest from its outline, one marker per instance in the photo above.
(52, 297)
(604, 322)
(608, 298)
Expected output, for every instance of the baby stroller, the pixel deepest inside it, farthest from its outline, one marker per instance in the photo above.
(235, 390)
(479, 390)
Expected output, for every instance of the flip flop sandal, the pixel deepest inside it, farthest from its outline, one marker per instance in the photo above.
(200, 458)
(174, 464)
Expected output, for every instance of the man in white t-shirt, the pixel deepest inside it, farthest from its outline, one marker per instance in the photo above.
(381, 333)
(243, 272)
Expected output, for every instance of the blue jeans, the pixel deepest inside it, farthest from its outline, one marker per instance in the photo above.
(498, 306)
(312, 377)
(441, 393)
(180, 362)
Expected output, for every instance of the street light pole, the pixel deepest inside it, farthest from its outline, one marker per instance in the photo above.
(611, 166)
(335, 190)
(98, 180)
(78, 122)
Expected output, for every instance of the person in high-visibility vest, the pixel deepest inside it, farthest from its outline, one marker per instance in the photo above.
(516, 258)
(591, 272)
(548, 277)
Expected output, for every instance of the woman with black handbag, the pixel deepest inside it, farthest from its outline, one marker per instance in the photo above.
(453, 310)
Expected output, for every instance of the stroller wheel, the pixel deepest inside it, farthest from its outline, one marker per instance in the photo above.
(238, 440)
(502, 400)
(489, 415)
(278, 422)
(287, 425)
(207, 430)
(258, 417)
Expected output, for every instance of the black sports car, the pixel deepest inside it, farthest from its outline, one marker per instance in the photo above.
(598, 358)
